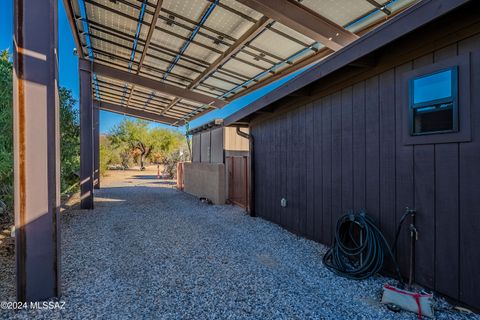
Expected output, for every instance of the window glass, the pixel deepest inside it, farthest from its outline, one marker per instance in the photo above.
(433, 119)
(432, 87)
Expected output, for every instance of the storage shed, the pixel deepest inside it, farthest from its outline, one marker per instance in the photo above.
(389, 122)
(220, 161)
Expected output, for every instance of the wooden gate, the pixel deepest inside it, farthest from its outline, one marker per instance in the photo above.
(237, 168)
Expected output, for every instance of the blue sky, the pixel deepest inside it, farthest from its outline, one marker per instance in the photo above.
(69, 76)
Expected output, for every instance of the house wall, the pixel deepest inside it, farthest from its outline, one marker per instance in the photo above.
(211, 147)
(236, 159)
(234, 142)
(196, 147)
(205, 180)
(343, 148)
(207, 146)
(205, 175)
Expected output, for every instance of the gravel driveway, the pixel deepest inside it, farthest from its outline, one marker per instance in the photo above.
(149, 251)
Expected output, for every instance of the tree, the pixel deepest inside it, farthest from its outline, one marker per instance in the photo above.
(146, 142)
(70, 139)
(135, 135)
(5, 55)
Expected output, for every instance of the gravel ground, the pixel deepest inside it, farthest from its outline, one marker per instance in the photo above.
(149, 251)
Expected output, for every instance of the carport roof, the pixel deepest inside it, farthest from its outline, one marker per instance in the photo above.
(201, 54)
(418, 15)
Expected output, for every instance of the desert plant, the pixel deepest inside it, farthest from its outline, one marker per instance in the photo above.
(142, 142)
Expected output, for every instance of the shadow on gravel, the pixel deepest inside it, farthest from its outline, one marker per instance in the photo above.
(152, 186)
(122, 195)
(144, 177)
(170, 183)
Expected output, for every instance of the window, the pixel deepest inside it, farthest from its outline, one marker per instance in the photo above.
(433, 103)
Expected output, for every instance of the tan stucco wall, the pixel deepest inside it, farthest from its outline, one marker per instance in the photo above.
(206, 180)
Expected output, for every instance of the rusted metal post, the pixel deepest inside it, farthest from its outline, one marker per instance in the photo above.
(96, 145)
(86, 134)
(36, 150)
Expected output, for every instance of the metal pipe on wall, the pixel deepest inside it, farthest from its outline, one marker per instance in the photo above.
(251, 182)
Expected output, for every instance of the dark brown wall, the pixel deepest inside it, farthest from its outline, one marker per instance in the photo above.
(344, 150)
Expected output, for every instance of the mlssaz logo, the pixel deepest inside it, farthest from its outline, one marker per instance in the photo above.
(48, 305)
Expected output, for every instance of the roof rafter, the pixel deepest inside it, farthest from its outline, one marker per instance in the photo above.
(305, 21)
(383, 8)
(114, 73)
(248, 36)
(116, 108)
(72, 21)
(197, 113)
(310, 60)
(151, 29)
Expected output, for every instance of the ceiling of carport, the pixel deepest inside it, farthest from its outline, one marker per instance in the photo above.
(211, 49)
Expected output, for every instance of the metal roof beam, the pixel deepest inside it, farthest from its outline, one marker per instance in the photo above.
(377, 5)
(114, 73)
(194, 32)
(156, 14)
(73, 25)
(151, 29)
(307, 61)
(153, 46)
(321, 54)
(112, 107)
(248, 36)
(303, 20)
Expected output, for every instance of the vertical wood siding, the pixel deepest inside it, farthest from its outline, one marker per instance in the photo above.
(345, 151)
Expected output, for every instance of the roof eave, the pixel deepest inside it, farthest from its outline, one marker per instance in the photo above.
(216, 123)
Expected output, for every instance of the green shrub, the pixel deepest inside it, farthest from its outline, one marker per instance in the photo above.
(70, 140)
(6, 137)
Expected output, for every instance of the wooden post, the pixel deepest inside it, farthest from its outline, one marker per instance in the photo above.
(96, 144)
(86, 135)
(36, 133)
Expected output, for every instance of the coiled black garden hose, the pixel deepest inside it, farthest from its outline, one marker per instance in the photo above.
(358, 249)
